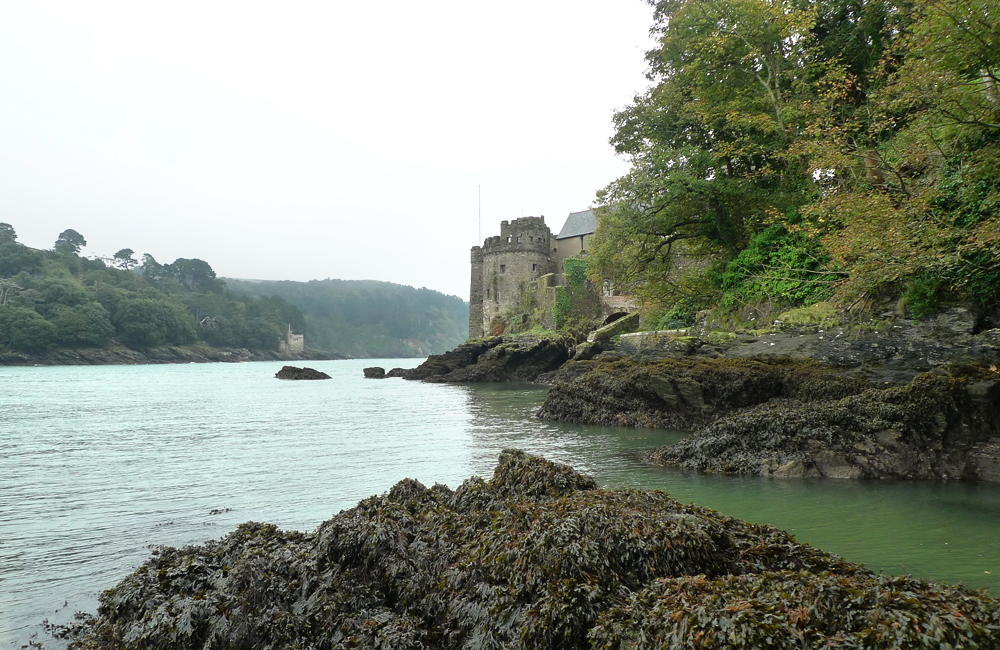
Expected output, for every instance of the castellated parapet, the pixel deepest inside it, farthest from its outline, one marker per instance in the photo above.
(502, 269)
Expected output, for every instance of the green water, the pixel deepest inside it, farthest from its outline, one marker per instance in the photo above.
(98, 464)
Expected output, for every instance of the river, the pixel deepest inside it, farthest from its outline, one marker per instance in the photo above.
(100, 464)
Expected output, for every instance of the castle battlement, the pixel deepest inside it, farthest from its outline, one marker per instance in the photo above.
(504, 266)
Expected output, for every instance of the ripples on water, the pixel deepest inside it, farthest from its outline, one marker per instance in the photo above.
(97, 464)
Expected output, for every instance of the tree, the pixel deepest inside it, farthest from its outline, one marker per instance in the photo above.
(87, 324)
(124, 259)
(714, 144)
(24, 329)
(7, 234)
(145, 322)
(195, 275)
(15, 258)
(69, 242)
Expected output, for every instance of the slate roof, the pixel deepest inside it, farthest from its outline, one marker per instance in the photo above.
(578, 223)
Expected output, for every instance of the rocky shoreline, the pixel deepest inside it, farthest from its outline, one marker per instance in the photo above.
(536, 557)
(894, 399)
(118, 356)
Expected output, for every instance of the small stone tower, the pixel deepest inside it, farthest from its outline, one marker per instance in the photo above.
(503, 267)
(292, 342)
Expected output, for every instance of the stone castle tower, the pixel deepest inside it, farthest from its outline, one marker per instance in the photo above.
(503, 267)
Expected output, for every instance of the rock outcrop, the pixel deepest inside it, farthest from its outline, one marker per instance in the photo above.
(536, 557)
(519, 357)
(794, 417)
(291, 372)
(375, 372)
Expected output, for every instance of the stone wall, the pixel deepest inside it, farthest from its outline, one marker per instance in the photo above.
(654, 340)
(503, 269)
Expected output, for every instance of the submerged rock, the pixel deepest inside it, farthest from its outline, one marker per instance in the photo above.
(536, 557)
(291, 372)
(375, 372)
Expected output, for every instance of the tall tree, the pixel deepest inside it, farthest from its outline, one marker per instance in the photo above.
(69, 242)
(124, 259)
(7, 234)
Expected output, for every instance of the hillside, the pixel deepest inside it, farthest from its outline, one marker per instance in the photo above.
(55, 300)
(367, 318)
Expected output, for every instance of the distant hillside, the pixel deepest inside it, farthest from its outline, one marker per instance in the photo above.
(55, 300)
(366, 318)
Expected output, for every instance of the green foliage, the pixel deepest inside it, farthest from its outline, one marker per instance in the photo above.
(819, 315)
(874, 126)
(83, 325)
(124, 259)
(81, 302)
(563, 306)
(25, 329)
(364, 318)
(576, 271)
(7, 234)
(144, 322)
(69, 242)
(680, 314)
(923, 294)
(16, 258)
(777, 265)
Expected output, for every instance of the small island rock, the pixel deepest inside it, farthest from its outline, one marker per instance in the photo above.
(291, 372)
(375, 372)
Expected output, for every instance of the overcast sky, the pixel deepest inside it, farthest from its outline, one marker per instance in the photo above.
(302, 140)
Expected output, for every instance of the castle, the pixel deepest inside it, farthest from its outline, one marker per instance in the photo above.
(292, 342)
(515, 267)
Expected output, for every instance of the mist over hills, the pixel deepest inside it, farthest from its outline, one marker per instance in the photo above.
(369, 318)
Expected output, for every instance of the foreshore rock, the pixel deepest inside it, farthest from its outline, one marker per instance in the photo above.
(536, 557)
(291, 372)
(919, 401)
(375, 372)
(166, 354)
(520, 357)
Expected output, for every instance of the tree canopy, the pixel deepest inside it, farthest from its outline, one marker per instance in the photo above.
(69, 242)
(847, 147)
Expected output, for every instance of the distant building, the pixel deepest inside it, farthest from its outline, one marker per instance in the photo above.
(292, 342)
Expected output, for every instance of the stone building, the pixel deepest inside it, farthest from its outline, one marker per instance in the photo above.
(504, 267)
(292, 342)
(574, 237)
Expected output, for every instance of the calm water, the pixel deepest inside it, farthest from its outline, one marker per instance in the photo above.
(99, 463)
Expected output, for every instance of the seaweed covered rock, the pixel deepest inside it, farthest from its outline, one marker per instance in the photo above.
(942, 425)
(291, 372)
(794, 417)
(684, 393)
(536, 557)
(519, 357)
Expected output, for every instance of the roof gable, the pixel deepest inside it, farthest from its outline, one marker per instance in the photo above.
(578, 223)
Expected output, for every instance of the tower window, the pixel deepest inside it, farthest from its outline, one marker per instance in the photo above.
(534, 267)
(503, 268)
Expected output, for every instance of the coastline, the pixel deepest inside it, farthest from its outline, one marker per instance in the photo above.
(893, 398)
(121, 355)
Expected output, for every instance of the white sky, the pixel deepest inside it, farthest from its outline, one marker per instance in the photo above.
(302, 140)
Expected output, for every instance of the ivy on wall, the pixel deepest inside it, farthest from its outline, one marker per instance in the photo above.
(561, 310)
